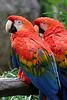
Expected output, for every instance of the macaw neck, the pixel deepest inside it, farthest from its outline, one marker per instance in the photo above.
(53, 30)
(32, 35)
(24, 33)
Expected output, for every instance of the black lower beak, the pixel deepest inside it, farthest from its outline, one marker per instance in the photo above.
(13, 29)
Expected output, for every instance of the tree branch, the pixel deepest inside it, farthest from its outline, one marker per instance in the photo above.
(14, 86)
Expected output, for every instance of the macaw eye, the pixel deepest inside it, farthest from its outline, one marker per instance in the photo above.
(17, 22)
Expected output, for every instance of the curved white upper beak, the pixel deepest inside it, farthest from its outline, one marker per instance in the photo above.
(8, 25)
(36, 28)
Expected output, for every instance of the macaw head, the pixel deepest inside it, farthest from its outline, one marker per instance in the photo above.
(48, 25)
(18, 23)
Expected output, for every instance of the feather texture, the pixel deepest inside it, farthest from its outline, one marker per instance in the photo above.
(56, 36)
(39, 65)
(35, 58)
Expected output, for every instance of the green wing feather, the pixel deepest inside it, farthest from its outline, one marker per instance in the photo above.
(37, 66)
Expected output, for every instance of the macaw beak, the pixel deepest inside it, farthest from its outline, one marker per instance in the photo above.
(39, 30)
(10, 27)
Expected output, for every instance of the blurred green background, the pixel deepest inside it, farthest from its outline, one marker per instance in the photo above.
(30, 9)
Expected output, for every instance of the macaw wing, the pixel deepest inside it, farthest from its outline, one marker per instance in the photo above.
(14, 59)
(41, 68)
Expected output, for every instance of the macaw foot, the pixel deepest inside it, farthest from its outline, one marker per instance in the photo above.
(23, 77)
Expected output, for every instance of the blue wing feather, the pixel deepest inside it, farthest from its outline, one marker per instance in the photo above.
(47, 82)
(14, 60)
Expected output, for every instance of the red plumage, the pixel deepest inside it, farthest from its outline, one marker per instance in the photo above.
(35, 56)
(56, 37)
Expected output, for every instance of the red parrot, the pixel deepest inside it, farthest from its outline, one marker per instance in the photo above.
(35, 56)
(54, 33)
(15, 64)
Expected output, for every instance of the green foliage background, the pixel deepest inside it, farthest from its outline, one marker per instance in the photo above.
(55, 8)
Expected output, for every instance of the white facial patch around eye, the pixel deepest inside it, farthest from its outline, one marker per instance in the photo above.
(18, 24)
(44, 26)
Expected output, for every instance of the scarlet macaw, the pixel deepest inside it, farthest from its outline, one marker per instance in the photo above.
(55, 34)
(35, 58)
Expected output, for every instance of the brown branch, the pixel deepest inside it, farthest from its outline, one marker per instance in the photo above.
(14, 86)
